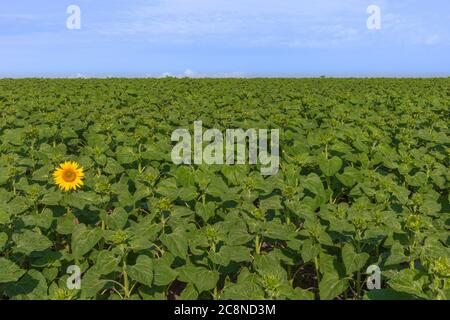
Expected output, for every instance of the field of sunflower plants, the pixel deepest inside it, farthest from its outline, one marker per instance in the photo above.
(93, 207)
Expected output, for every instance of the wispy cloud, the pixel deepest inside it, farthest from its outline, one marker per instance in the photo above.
(245, 23)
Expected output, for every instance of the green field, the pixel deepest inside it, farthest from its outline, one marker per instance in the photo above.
(364, 180)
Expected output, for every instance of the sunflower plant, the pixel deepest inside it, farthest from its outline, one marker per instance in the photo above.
(69, 176)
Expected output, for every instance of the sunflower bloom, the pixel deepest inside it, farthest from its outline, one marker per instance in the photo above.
(69, 175)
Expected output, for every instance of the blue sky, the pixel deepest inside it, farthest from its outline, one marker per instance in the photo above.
(224, 38)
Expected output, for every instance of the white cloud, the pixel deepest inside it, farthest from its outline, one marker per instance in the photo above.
(189, 73)
(244, 23)
(428, 40)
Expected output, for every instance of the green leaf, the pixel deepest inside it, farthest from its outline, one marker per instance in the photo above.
(176, 243)
(329, 167)
(269, 264)
(202, 278)
(4, 217)
(43, 173)
(236, 253)
(10, 272)
(238, 235)
(388, 294)
(91, 284)
(353, 261)
(125, 155)
(18, 205)
(83, 240)
(396, 255)
(313, 183)
(430, 207)
(217, 188)
(185, 177)
(117, 219)
(163, 273)
(309, 251)
(32, 286)
(3, 240)
(331, 286)
(189, 292)
(272, 203)
(4, 175)
(243, 291)
(30, 241)
(205, 211)
(142, 271)
(295, 294)
(52, 198)
(409, 281)
(113, 167)
(106, 262)
(186, 193)
(66, 223)
(80, 200)
(235, 174)
(278, 231)
(349, 177)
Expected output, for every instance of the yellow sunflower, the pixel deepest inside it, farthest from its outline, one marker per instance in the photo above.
(69, 175)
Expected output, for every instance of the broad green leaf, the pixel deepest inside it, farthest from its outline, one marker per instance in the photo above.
(331, 286)
(243, 291)
(331, 166)
(30, 241)
(163, 273)
(235, 174)
(117, 219)
(83, 240)
(11, 272)
(205, 211)
(236, 253)
(186, 193)
(349, 177)
(142, 271)
(202, 278)
(409, 281)
(313, 183)
(18, 205)
(113, 167)
(51, 198)
(176, 243)
(32, 286)
(185, 177)
(309, 250)
(272, 203)
(91, 284)
(396, 255)
(278, 231)
(353, 261)
(106, 262)
(43, 173)
(189, 292)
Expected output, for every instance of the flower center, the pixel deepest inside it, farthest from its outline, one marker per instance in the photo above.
(69, 176)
